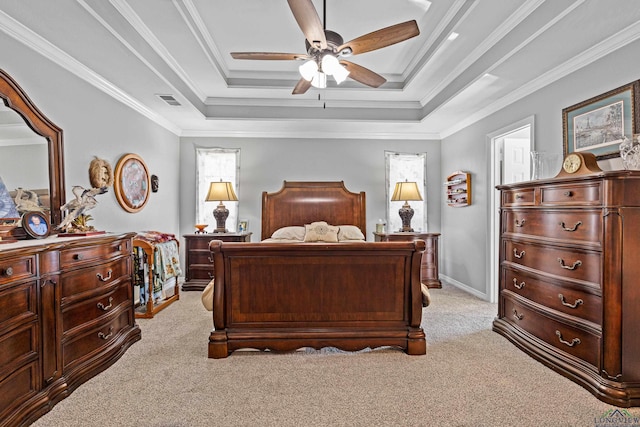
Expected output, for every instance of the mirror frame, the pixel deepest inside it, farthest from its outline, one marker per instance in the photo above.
(16, 99)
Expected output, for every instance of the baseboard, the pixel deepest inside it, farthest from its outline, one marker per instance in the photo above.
(464, 287)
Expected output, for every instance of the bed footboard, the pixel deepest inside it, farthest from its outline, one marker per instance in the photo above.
(287, 296)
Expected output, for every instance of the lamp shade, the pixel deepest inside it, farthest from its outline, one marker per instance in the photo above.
(406, 191)
(221, 191)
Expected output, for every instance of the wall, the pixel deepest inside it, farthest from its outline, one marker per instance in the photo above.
(465, 237)
(266, 163)
(94, 124)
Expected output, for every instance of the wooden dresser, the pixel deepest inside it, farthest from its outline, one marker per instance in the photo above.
(66, 314)
(198, 262)
(570, 279)
(429, 268)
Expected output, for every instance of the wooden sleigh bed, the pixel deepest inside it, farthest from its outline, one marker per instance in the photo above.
(286, 296)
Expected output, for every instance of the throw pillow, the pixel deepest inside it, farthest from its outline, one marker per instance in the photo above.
(320, 232)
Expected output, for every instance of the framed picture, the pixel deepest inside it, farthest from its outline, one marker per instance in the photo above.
(598, 125)
(36, 224)
(132, 183)
(243, 225)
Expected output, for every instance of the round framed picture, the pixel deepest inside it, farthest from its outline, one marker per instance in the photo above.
(36, 224)
(132, 183)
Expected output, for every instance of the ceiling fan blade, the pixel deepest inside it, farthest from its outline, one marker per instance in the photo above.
(382, 38)
(301, 87)
(269, 56)
(309, 22)
(363, 75)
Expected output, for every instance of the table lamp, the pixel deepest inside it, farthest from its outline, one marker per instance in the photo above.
(222, 192)
(406, 191)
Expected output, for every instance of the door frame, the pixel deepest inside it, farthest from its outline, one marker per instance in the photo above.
(495, 154)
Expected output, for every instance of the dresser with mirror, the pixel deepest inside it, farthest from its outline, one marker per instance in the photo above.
(66, 303)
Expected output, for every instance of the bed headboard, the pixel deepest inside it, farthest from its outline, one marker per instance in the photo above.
(300, 203)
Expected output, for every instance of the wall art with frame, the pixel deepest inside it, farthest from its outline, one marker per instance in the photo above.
(132, 183)
(598, 125)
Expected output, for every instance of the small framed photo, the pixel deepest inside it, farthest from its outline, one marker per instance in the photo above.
(36, 224)
(243, 225)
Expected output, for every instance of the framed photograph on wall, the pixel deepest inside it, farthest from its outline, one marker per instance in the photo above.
(36, 224)
(598, 125)
(132, 183)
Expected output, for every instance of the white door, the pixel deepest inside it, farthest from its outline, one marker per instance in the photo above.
(516, 163)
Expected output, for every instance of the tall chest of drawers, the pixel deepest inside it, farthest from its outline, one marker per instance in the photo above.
(570, 279)
(66, 313)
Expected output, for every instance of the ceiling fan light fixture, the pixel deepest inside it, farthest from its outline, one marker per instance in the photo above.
(308, 70)
(340, 74)
(319, 80)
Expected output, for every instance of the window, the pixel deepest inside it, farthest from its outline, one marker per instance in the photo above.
(215, 164)
(406, 167)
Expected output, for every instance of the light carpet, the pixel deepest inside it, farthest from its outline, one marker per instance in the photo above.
(470, 376)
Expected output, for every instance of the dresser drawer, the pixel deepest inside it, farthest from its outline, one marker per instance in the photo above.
(76, 315)
(201, 272)
(88, 255)
(15, 269)
(85, 344)
(17, 347)
(568, 263)
(199, 243)
(18, 304)
(570, 339)
(76, 284)
(576, 225)
(523, 197)
(566, 195)
(202, 257)
(565, 299)
(18, 387)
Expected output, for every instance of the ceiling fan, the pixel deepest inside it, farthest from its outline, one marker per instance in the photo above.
(326, 49)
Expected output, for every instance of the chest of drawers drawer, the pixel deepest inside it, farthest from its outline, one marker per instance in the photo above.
(87, 342)
(579, 342)
(79, 284)
(584, 303)
(520, 197)
(569, 225)
(572, 194)
(15, 269)
(96, 308)
(574, 264)
(90, 255)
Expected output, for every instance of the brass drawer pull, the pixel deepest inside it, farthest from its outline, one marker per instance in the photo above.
(570, 344)
(210, 275)
(575, 265)
(519, 223)
(106, 307)
(210, 259)
(515, 284)
(104, 279)
(574, 305)
(575, 227)
(516, 315)
(107, 336)
(568, 193)
(518, 255)
(8, 272)
(78, 257)
(519, 196)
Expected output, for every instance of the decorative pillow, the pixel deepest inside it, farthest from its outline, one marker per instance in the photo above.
(289, 233)
(350, 232)
(320, 232)
(207, 296)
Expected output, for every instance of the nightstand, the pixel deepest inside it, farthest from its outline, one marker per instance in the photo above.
(199, 266)
(429, 270)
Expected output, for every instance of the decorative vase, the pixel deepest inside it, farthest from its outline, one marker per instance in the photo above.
(630, 152)
(545, 165)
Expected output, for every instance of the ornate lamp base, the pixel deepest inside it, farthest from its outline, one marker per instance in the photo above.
(220, 213)
(406, 213)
